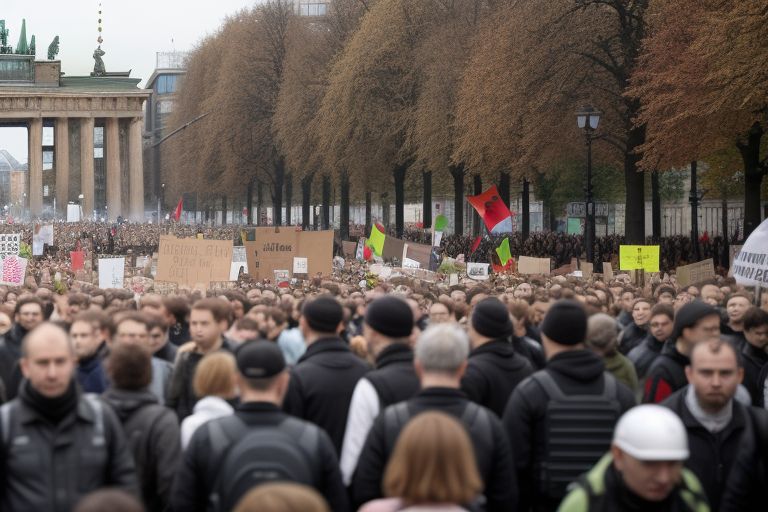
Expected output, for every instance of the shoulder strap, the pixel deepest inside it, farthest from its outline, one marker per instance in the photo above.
(98, 411)
(395, 417)
(477, 418)
(5, 421)
(551, 388)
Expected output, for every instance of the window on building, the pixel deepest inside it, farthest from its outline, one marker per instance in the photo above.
(313, 9)
(166, 84)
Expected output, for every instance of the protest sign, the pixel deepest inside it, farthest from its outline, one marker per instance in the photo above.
(607, 272)
(46, 233)
(37, 246)
(165, 288)
(695, 272)
(239, 261)
(190, 261)
(453, 279)
(73, 213)
(409, 263)
(222, 285)
(317, 247)
(300, 265)
(12, 270)
(750, 266)
(274, 249)
(639, 257)
(348, 249)
(477, 271)
(282, 277)
(418, 252)
(77, 259)
(393, 248)
(587, 269)
(111, 272)
(9, 244)
(528, 265)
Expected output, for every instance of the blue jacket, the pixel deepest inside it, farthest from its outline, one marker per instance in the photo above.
(91, 375)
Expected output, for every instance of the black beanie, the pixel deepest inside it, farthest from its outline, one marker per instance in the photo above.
(688, 315)
(323, 314)
(390, 316)
(565, 323)
(490, 318)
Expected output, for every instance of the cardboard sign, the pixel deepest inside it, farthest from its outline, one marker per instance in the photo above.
(607, 272)
(639, 257)
(111, 272)
(587, 269)
(9, 244)
(695, 273)
(300, 265)
(418, 252)
(222, 285)
(165, 288)
(190, 262)
(275, 249)
(348, 249)
(528, 265)
(12, 270)
(476, 271)
(393, 248)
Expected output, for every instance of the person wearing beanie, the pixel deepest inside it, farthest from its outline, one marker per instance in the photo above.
(573, 381)
(694, 322)
(387, 331)
(323, 380)
(493, 367)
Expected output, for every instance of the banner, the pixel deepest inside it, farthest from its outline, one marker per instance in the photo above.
(274, 249)
(9, 244)
(111, 273)
(695, 273)
(639, 257)
(12, 270)
(192, 262)
(476, 271)
(528, 265)
(750, 266)
(493, 211)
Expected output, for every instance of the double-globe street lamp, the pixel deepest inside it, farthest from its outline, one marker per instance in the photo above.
(587, 119)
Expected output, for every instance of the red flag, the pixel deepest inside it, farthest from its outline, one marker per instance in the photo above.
(493, 211)
(78, 260)
(475, 245)
(177, 211)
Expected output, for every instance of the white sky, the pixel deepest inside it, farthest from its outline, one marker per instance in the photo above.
(133, 31)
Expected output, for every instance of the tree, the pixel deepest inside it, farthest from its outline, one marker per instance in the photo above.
(702, 83)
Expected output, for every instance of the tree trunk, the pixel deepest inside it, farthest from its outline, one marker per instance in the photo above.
(634, 218)
(306, 198)
(368, 208)
(426, 177)
(399, 175)
(277, 192)
(504, 187)
(458, 172)
(288, 197)
(249, 202)
(725, 255)
(655, 206)
(223, 210)
(326, 206)
(694, 199)
(526, 207)
(344, 214)
(259, 201)
(477, 184)
(385, 217)
(753, 178)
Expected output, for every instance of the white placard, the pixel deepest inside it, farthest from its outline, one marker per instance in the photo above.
(37, 246)
(234, 269)
(300, 265)
(477, 271)
(12, 270)
(9, 244)
(750, 266)
(73, 213)
(409, 263)
(111, 272)
(46, 233)
(453, 279)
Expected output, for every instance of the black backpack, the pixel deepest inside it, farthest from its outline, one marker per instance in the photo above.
(579, 430)
(254, 455)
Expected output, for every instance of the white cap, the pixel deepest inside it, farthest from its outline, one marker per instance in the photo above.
(651, 432)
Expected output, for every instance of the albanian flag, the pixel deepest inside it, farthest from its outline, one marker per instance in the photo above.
(495, 214)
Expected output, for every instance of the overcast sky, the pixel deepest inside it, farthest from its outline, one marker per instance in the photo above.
(133, 31)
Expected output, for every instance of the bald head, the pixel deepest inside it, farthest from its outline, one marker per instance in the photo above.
(48, 360)
(44, 335)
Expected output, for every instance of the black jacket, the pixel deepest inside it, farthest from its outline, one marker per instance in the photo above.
(394, 378)
(666, 374)
(575, 372)
(746, 490)
(167, 353)
(531, 350)
(494, 458)
(643, 355)
(321, 386)
(155, 441)
(630, 337)
(181, 394)
(10, 353)
(712, 456)
(754, 360)
(199, 468)
(51, 467)
(493, 372)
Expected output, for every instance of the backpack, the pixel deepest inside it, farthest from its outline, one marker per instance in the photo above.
(254, 455)
(578, 432)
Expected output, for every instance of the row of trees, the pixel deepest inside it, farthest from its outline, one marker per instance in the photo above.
(396, 94)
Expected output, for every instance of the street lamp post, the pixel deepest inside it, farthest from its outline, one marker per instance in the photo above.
(588, 118)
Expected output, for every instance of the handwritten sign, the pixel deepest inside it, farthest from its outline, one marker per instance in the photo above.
(409, 263)
(639, 257)
(13, 270)
(111, 272)
(275, 249)
(476, 271)
(282, 277)
(695, 272)
(189, 261)
(165, 288)
(528, 265)
(9, 244)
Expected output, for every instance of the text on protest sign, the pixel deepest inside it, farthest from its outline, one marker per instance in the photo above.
(9, 244)
(639, 257)
(111, 272)
(192, 262)
(476, 271)
(750, 266)
(274, 249)
(12, 270)
(695, 272)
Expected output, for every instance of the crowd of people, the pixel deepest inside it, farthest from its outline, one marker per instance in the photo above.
(520, 393)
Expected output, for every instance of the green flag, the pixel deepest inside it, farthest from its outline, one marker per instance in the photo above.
(441, 221)
(504, 253)
(376, 240)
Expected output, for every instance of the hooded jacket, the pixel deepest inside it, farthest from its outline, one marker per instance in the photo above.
(575, 372)
(666, 375)
(643, 355)
(153, 436)
(10, 353)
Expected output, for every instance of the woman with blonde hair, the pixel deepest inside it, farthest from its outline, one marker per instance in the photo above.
(282, 497)
(215, 384)
(432, 468)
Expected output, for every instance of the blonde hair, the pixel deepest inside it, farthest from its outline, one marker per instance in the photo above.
(282, 497)
(214, 375)
(433, 462)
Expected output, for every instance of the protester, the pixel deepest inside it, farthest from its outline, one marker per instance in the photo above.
(86, 340)
(152, 430)
(634, 333)
(660, 330)
(28, 314)
(325, 377)
(159, 341)
(387, 330)
(754, 353)
(548, 408)
(644, 469)
(58, 444)
(228, 456)
(440, 361)
(522, 343)
(735, 307)
(282, 497)
(215, 383)
(601, 338)
(433, 465)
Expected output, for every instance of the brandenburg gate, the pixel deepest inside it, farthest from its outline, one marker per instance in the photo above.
(35, 93)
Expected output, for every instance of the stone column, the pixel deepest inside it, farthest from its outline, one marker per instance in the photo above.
(136, 169)
(35, 167)
(87, 183)
(112, 143)
(61, 142)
